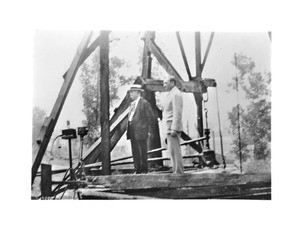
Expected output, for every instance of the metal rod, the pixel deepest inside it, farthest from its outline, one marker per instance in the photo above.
(70, 153)
(238, 114)
(183, 55)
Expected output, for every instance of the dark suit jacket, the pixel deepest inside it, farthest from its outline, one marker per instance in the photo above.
(142, 121)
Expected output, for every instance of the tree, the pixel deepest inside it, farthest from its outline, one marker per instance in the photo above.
(90, 80)
(38, 117)
(255, 116)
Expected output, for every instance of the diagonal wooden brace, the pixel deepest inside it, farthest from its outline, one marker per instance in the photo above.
(50, 122)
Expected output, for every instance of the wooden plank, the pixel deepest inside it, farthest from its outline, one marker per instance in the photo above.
(116, 133)
(96, 194)
(50, 122)
(183, 55)
(154, 140)
(198, 99)
(198, 55)
(46, 180)
(164, 62)
(87, 53)
(194, 145)
(157, 86)
(104, 155)
(148, 181)
(207, 50)
(207, 192)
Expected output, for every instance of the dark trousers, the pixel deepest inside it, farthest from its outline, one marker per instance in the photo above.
(139, 153)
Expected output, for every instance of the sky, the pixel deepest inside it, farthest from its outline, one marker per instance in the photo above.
(54, 51)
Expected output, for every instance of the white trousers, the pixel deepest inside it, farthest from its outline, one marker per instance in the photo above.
(175, 153)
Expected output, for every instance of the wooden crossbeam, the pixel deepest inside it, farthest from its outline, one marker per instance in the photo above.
(117, 131)
(50, 122)
(157, 86)
(164, 62)
(148, 181)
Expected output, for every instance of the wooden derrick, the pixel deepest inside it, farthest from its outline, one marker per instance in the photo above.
(195, 85)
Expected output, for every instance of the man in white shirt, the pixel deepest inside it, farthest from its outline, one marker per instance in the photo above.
(172, 119)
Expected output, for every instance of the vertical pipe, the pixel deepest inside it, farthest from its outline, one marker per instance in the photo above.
(104, 102)
(70, 153)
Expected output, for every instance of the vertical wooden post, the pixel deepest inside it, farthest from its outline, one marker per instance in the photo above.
(104, 102)
(198, 96)
(153, 142)
(198, 54)
(46, 180)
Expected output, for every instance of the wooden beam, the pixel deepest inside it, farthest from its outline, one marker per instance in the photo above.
(154, 140)
(104, 155)
(96, 194)
(208, 192)
(117, 131)
(164, 62)
(157, 86)
(46, 180)
(207, 50)
(50, 122)
(198, 99)
(186, 64)
(87, 53)
(198, 54)
(198, 96)
(150, 181)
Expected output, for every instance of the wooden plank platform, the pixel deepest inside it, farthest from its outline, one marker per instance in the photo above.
(205, 184)
(154, 181)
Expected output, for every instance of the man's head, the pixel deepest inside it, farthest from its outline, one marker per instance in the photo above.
(135, 91)
(170, 83)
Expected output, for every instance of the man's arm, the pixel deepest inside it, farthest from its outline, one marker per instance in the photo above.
(177, 104)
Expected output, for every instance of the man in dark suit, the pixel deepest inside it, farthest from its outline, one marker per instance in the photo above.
(140, 127)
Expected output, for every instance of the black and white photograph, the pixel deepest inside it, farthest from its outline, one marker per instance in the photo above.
(151, 115)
